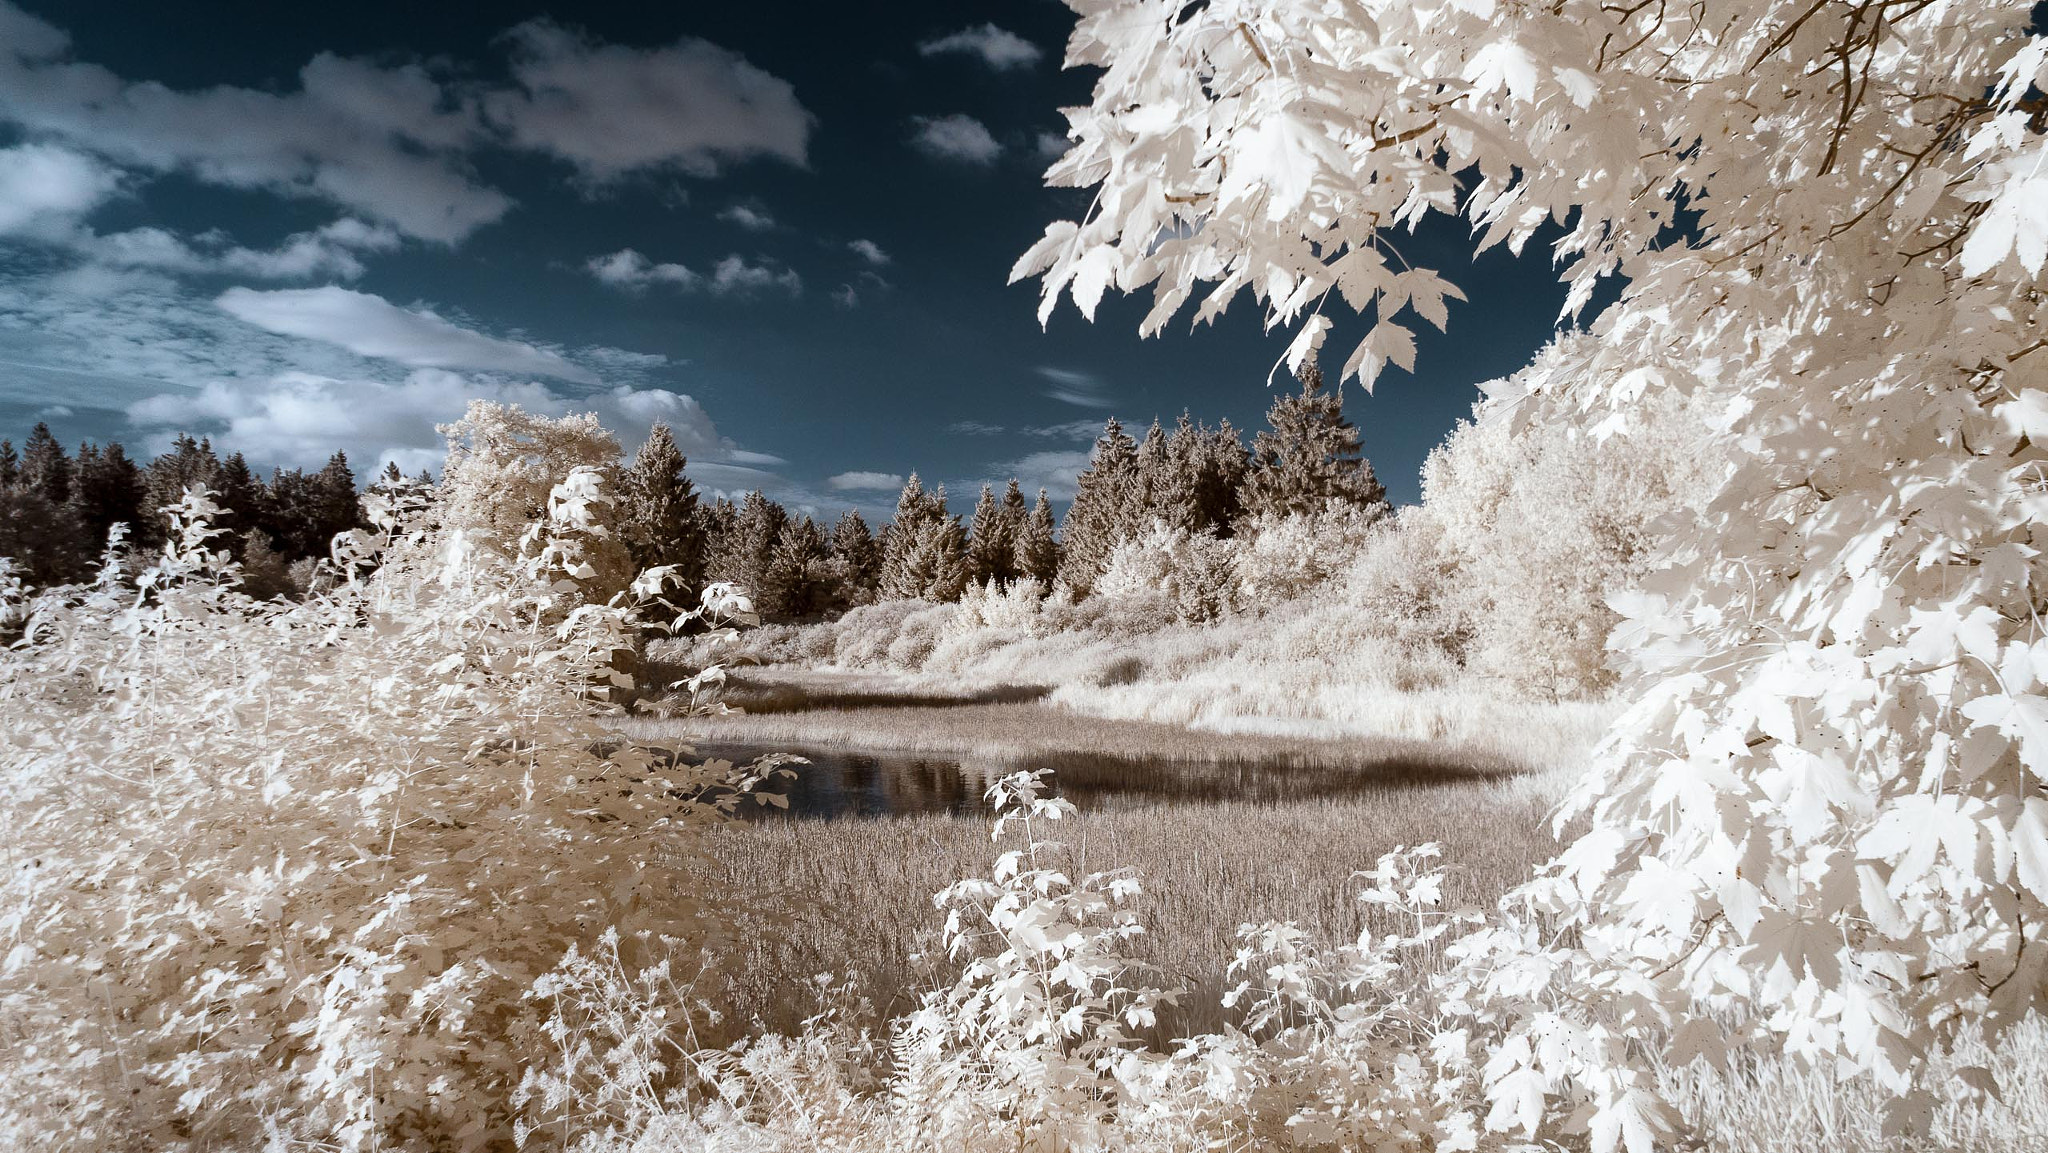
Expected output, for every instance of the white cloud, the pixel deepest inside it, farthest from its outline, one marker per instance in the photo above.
(611, 110)
(974, 428)
(1071, 430)
(45, 189)
(869, 251)
(1057, 472)
(733, 276)
(371, 326)
(751, 219)
(298, 419)
(1071, 386)
(1052, 145)
(998, 48)
(845, 296)
(629, 270)
(394, 143)
(957, 137)
(387, 143)
(866, 481)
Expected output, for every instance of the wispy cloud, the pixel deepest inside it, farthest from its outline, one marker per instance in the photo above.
(749, 217)
(1072, 386)
(1057, 472)
(1084, 429)
(974, 428)
(869, 251)
(958, 137)
(630, 271)
(371, 326)
(998, 48)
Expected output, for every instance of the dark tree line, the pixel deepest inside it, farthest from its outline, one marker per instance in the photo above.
(57, 508)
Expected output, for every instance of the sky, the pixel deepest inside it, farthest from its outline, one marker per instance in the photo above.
(786, 230)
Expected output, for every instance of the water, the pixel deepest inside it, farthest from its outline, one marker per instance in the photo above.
(847, 783)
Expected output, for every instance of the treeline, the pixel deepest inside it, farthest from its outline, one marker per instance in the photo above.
(56, 508)
(1196, 478)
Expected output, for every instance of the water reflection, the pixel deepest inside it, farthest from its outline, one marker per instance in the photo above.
(850, 783)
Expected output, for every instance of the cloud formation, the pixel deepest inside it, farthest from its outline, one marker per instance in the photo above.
(611, 110)
(629, 271)
(866, 481)
(1057, 472)
(1072, 386)
(371, 326)
(394, 144)
(958, 137)
(749, 218)
(998, 48)
(869, 251)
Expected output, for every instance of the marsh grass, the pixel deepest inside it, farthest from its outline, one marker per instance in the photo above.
(855, 896)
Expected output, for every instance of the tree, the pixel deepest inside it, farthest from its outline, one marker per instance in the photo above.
(337, 506)
(107, 488)
(1097, 520)
(10, 465)
(45, 470)
(658, 510)
(1825, 819)
(242, 497)
(925, 550)
(41, 537)
(798, 578)
(856, 559)
(1205, 469)
(1309, 456)
(1038, 554)
(1151, 486)
(750, 543)
(992, 536)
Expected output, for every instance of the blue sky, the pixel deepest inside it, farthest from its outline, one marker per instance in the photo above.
(784, 229)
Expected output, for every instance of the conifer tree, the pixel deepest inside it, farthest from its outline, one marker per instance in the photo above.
(1038, 554)
(338, 507)
(291, 516)
(925, 551)
(107, 489)
(10, 464)
(798, 579)
(658, 516)
(42, 538)
(1096, 520)
(242, 498)
(1309, 456)
(1151, 488)
(856, 559)
(264, 572)
(188, 463)
(992, 540)
(45, 469)
(1205, 467)
(750, 542)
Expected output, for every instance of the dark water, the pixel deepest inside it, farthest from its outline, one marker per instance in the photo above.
(843, 783)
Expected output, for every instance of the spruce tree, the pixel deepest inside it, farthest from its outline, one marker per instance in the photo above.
(337, 504)
(658, 515)
(1038, 554)
(798, 578)
(715, 523)
(1096, 520)
(1151, 484)
(1309, 456)
(10, 465)
(925, 551)
(992, 540)
(856, 559)
(238, 491)
(188, 463)
(264, 572)
(107, 489)
(1204, 468)
(41, 537)
(45, 469)
(750, 543)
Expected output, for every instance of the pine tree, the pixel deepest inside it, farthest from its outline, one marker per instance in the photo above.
(45, 470)
(338, 507)
(798, 578)
(1038, 554)
(107, 489)
(291, 516)
(1205, 466)
(750, 542)
(264, 572)
(658, 516)
(856, 559)
(1309, 456)
(1151, 487)
(925, 550)
(992, 539)
(238, 491)
(10, 465)
(1096, 520)
(41, 537)
(189, 463)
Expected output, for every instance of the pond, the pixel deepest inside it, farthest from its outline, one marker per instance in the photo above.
(848, 783)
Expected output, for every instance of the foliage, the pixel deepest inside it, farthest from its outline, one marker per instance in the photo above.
(924, 554)
(658, 515)
(1308, 458)
(1824, 817)
(288, 869)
